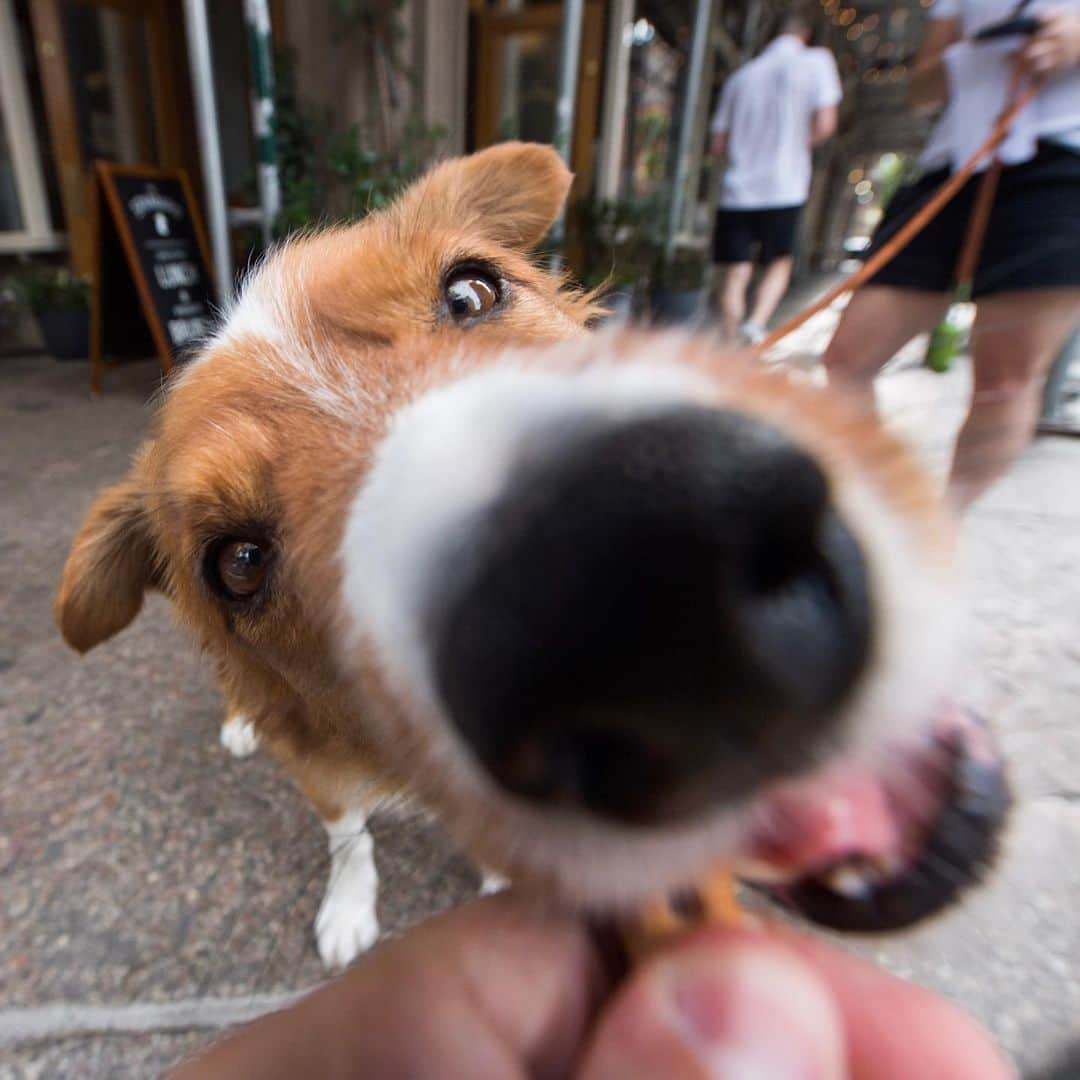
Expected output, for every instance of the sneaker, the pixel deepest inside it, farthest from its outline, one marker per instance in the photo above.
(752, 333)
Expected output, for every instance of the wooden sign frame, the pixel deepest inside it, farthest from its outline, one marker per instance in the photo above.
(106, 199)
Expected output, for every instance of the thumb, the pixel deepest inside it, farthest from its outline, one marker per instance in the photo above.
(741, 1008)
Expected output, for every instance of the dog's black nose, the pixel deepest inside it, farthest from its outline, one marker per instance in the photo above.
(654, 619)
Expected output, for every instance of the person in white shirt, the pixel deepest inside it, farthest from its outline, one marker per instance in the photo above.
(772, 111)
(1027, 282)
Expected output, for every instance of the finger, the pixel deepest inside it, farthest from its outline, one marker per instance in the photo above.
(726, 1007)
(728, 1004)
(492, 989)
(896, 1030)
(1041, 57)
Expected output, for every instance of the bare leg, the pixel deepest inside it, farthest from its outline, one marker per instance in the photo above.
(877, 323)
(733, 299)
(1015, 340)
(771, 289)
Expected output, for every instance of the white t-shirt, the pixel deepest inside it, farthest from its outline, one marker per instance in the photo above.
(979, 74)
(766, 109)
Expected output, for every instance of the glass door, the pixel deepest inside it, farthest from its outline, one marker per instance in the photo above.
(113, 89)
(25, 221)
(516, 78)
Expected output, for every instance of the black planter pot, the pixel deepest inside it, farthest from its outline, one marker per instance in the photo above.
(619, 303)
(66, 332)
(678, 305)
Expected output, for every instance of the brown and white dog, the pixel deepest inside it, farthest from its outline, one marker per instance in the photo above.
(615, 606)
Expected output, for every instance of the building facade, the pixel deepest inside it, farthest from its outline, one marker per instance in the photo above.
(82, 80)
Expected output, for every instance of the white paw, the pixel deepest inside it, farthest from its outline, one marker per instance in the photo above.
(344, 931)
(492, 883)
(347, 923)
(238, 736)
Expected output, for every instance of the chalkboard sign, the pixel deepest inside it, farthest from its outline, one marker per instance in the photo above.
(152, 285)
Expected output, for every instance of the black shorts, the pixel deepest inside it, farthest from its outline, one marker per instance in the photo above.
(743, 235)
(1032, 241)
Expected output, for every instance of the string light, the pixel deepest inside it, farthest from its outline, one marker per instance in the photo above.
(872, 48)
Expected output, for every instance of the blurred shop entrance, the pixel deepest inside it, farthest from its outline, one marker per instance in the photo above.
(113, 87)
(515, 78)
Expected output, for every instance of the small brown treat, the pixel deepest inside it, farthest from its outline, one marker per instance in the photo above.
(659, 923)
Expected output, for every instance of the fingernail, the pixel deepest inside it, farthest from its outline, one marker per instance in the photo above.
(754, 1013)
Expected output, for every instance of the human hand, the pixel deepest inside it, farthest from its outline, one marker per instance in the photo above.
(499, 989)
(1055, 46)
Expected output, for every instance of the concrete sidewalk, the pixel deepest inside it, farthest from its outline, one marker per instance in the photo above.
(152, 888)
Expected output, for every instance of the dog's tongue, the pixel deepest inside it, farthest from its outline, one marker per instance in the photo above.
(837, 815)
(854, 811)
(880, 847)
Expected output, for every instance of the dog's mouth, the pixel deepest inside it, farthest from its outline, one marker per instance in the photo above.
(876, 849)
(643, 631)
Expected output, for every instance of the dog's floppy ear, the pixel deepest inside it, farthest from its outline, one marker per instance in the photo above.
(511, 192)
(109, 567)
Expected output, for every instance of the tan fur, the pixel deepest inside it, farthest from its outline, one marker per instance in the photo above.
(111, 565)
(234, 444)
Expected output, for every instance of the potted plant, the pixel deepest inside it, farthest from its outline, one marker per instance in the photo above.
(330, 173)
(678, 287)
(10, 312)
(613, 239)
(60, 301)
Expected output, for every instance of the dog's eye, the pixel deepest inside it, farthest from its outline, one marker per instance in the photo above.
(471, 293)
(241, 568)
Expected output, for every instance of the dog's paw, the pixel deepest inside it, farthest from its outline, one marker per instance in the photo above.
(343, 930)
(490, 882)
(347, 923)
(238, 736)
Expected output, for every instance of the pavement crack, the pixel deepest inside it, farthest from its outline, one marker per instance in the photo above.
(1066, 795)
(66, 1020)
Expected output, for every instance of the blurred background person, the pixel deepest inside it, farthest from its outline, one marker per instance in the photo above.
(771, 114)
(1027, 280)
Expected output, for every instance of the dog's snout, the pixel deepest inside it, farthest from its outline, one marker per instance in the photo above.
(654, 618)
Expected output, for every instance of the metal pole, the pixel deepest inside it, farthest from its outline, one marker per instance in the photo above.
(263, 121)
(695, 77)
(616, 86)
(202, 84)
(750, 28)
(570, 51)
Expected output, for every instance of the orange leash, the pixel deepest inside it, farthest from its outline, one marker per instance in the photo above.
(1018, 100)
(976, 230)
(974, 237)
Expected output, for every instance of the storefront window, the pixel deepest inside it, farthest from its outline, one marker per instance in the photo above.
(528, 78)
(659, 39)
(11, 219)
(106, 54)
